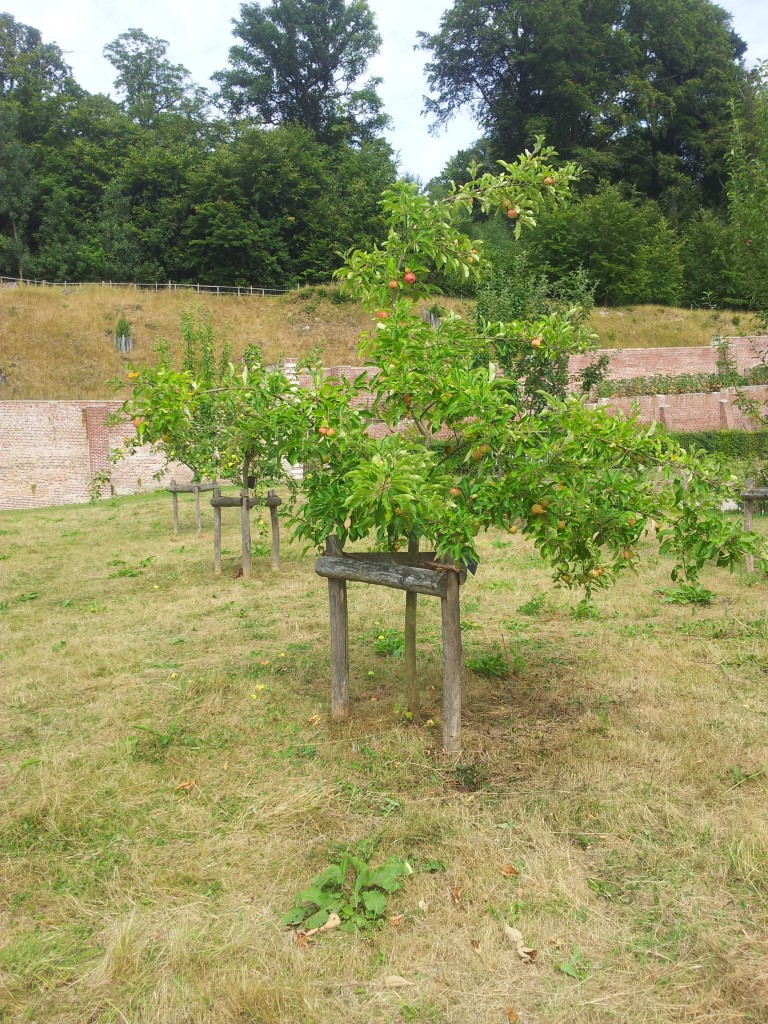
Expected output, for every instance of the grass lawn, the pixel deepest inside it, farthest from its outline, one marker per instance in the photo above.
(170, 779)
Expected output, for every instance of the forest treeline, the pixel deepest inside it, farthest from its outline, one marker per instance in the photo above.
(264, 178)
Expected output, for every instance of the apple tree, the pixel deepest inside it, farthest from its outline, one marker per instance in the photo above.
(468, 447)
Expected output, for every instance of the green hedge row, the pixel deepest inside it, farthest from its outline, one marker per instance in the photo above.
(732, 444)
(678, 384)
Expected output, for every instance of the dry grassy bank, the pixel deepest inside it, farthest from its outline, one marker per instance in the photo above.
(57, 344)
(170, 779)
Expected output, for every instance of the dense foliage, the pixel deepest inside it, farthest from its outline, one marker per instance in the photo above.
(265, 181)
(159, 186)
(517, 452)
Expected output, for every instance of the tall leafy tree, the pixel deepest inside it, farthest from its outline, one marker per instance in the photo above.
(301, 62)
(34, 81)
(635, 89)
(150, 84)
(748, 189)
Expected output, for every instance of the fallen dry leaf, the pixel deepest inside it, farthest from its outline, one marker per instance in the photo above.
(184, 786)
(333, 922)
(456, 894)
(512, 1015)
(313, 720)
(423, 906)
(302, 940)
(395, 981)
(516, 939)
(475, 944)
(396, 920)
(509, 870)
(512, 934)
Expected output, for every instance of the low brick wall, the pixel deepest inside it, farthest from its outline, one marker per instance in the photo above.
(746, 352)
(707, 411)
(50, 452)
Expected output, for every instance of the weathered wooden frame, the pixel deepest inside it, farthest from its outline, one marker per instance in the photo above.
(177, 489)
(245, 503)
(749, 496)
(415, 573)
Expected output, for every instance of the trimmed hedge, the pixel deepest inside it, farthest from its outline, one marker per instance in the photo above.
(731, 444)
(678, 384)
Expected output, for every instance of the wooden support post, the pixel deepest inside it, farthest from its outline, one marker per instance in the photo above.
(411, 679)
(273, 500)
(337, 604)
(749, 560)
(245, 526)
(198, 520)
(453, 673)
(216, 532)
(175, 499)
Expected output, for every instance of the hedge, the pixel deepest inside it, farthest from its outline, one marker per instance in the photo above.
(732, 444)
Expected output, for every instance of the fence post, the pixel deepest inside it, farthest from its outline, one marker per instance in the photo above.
(452, 665)
(216, 533)
(337, 606)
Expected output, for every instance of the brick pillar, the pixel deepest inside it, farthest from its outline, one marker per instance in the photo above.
(662, 409)
(97, 433)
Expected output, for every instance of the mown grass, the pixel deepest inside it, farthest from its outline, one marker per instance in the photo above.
(170, 779)
(57, 344)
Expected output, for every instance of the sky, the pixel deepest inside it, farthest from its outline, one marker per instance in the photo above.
(200, 35)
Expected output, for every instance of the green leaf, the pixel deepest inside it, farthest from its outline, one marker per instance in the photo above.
(375, 902)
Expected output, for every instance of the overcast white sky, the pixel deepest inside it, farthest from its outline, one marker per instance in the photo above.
(200, 35)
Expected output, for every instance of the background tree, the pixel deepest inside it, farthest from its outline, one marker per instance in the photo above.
(748, 188)
(150, 84)
(637, 91)
(300, 62)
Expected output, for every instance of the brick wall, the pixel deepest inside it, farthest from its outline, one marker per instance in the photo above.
(645, 362)
(50, 451)
(715, 411)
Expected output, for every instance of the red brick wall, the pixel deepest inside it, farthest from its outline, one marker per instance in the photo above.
(715, 411)
(50, 451)
(645, 362)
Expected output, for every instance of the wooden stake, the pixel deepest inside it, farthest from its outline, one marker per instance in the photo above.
(453, 673)
(175, 499)
(216, 533)
(337, 605)
(245, 526)
(198, 520)
(749, 560)
(409, 656)
(272, 500)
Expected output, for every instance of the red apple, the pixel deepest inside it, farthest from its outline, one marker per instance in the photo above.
(410, 278)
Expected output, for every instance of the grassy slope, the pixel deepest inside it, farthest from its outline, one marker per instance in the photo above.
(621, 767)
(55, 344)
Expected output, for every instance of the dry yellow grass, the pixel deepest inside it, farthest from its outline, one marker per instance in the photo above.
(666, 326)
(621, 766)
(57, 344)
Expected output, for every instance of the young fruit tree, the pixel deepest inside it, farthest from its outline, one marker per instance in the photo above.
(469, 447)
(472, 439)
(223, 422)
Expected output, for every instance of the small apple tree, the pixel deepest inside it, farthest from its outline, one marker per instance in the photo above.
(224, 421)
(469, 447)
